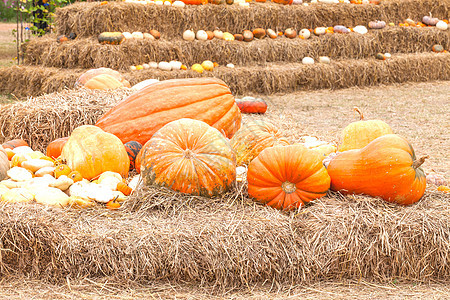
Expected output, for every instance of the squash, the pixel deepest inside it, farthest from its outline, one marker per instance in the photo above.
(285, 2)
(271, 33)
(155, 34)
(111, 38)
(437, 48)
(290, 33)
(210, 34)
(133, 148)
(91, 151)
(207, 65)
(441, 25)
(201, 35)
(188, 35)
(305, 33)
(14, 144)
(228, 37)
(195, 2)
(429, 20)
(359, 134)
(103, 82)
(189, 156)
(238, 37)
(17, 195)
(124, 188)
(377, 24)
(4, 164)
(250, 105)
(287, 177)
(52, 197)
(387, 167)
(253, 137)
(88, 75)
(55, 147)
(380, 56)
(247, 36)
(197, 68)
(259, 33)
(141, 114)
(308, 60)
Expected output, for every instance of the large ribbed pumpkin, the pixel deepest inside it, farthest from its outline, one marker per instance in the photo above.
(88, 75)
(4, 163)
(387, 168)
(287, 177)
(140, 115)
(253, 137)
(91, 151)
(189, 156)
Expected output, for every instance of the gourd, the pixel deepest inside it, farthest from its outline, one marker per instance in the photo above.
(307, 60)
(341, 29)
(259, 33)
(207, 65)
(218, 34)
(377, 24)
(252, 105)
(188, 35)
(437, 48)
(305, 33)
(14, 144)
(189, 156)
(141, 114)
(197, 68)
(247, 36)
(164, 65)
(111, 38)
(155, 34)
(387, 167)
(91, 151)
(88, 75)
(228, 37)
(441, 25)
(238, 37)
(4, 164)
(253, 137)
(290, 33)
(287, 177)
(285, 2)
(359, 134)
(271, 33)
(210, 34)
(429, 20)
(320, 31)
(55, 147)
(201, 35)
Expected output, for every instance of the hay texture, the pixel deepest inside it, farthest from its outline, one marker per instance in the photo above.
(93, 19)
(44, 119)
(229, 242)
(88, 53)
(269, 78)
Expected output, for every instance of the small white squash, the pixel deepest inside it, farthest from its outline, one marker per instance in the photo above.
(45, 171)
(164, 65)
(387, 55)
(441, 25)
(63, 183)
(146, 66)
(127, 35)
(218, 34)
(52, 197)
(201, 35)
(148, 36)
(189, 35)
(305, 33)
(17, 195)
(36, 164)
(153, 65)
(360, 29)
(19, 174)
(324, 60)
(320, 31)
(179, 4)
(176, 65)
(230, 65)
(138, 35)
(307, 60)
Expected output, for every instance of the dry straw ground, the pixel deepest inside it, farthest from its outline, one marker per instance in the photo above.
(88, 53)
(92, 19)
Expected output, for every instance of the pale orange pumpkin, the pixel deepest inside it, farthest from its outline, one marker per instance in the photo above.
(387, 167)
(103, 82)
(287, 177)
(189, 156)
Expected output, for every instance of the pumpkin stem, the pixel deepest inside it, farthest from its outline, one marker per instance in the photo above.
(189, 154)
(418, 162)
(288, 187)
(361, 116)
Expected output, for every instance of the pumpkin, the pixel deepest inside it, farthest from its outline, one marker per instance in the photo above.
(91, 151)
(189, 156)
(272, 34)
(437, 48)
(380, 56)
(14, 143)
(441, 25)
(111, 38)
(188, 35)
(387, 167)
(252, 105)
(124, 188)
(155, 34)
(197, 68)
(142, 113)
(61, 39)
(210, 34)
(305, 33)
(429, 20)
(259, 33)
(201, 35)
(75, 176)
(285, 2)
(88, 75)
(103, 82)
(133, 148)
(253, 137)
(218, 34)
(61, 170)
(358, 134)
(4, 164)
(113, 204)
(247, 36)
(377, 24)
(290, 33)
(238, 37)
(55, 147)
(208, 65)
(287, 177)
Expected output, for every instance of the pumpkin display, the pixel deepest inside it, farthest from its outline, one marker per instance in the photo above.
(133, 148)
(359, 134)
(88, 75)
(287, 177)
(387, 167)
(14, 144)
(253, 137)
(4, 164)
(189, 156)
(111, 38)
(55, 147)
(142, 113)
(91, 151)
(250, 105)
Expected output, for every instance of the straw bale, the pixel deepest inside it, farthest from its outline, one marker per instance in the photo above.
(92, 19)
(229, 241)
(43, 119)
(88, 53)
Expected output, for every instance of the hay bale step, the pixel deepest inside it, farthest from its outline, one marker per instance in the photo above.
(92, 19)
(88, 53)
(271, 78)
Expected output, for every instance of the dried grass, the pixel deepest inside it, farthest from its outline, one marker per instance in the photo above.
(229, 242)
(88, 53)
(270, 78)
(92, 19)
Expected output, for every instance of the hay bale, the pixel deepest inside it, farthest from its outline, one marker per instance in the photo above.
(229, 242)
(92, 19)
(88, 53)
(43, 119)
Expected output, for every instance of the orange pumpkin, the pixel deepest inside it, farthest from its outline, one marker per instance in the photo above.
(189, 156)
(140, 115)
(358, 134)
(62, 170)
(113, 204)
(4, 164)
(254, 137)
(88, 75)
(103, 82)
(75, 176)
(14, 143)
(54, 148)
(91, 151)
(387, 168)
(287, 177)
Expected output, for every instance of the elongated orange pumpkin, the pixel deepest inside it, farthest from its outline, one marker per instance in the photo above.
(287, 177)
(387, 168)
(140, 115)
(189, 156)
(253, 137)
(358, 134)
(91, 151)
